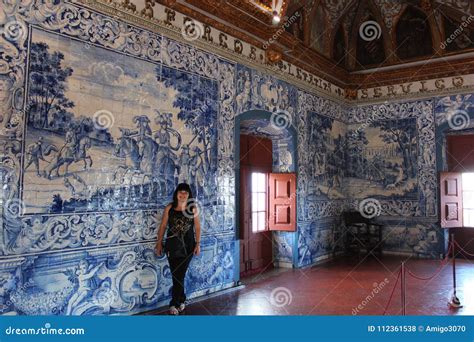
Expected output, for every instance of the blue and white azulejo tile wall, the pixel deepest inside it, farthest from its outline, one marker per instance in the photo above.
(101, 119)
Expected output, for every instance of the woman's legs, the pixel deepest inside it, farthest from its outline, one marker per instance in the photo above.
(184, 269)
(178, 267)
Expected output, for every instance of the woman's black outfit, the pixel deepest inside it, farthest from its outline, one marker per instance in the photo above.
(179, 248)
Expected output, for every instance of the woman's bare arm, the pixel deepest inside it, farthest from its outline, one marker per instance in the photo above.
(197, 226)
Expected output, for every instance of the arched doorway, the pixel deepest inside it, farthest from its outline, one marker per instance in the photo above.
(266, 249)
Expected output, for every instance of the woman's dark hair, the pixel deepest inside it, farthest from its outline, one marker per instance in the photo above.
(182, 187)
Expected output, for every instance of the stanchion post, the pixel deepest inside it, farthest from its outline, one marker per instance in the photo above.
(403, 289)
(454, 302)
(453, 246)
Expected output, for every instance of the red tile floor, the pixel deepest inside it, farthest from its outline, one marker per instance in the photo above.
(339, 287)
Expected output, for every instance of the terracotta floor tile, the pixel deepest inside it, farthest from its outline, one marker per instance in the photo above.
(340, 286)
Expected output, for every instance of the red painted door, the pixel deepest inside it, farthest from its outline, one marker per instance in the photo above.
(282, 201)
(460, 158)
(255, 244)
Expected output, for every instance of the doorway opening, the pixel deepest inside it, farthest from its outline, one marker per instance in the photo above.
(255, 238)
(460, 162)
(265, 193)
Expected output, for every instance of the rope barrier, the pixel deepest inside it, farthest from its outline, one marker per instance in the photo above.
(443, 263)
(462, 250)
(403, 289)
(393, 290)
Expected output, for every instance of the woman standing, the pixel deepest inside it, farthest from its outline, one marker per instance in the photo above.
(183, 238)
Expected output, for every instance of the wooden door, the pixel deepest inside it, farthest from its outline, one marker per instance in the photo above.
(256, 246)
(282, 201)
(451, 199)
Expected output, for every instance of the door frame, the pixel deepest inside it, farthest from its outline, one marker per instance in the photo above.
(256, 114)
(442, 131)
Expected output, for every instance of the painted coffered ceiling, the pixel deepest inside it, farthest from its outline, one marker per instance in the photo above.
(368, 34)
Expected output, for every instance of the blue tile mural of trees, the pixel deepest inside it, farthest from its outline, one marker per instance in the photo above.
(396, 167)
(327, 155)
(321, 179)
(382, 159)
